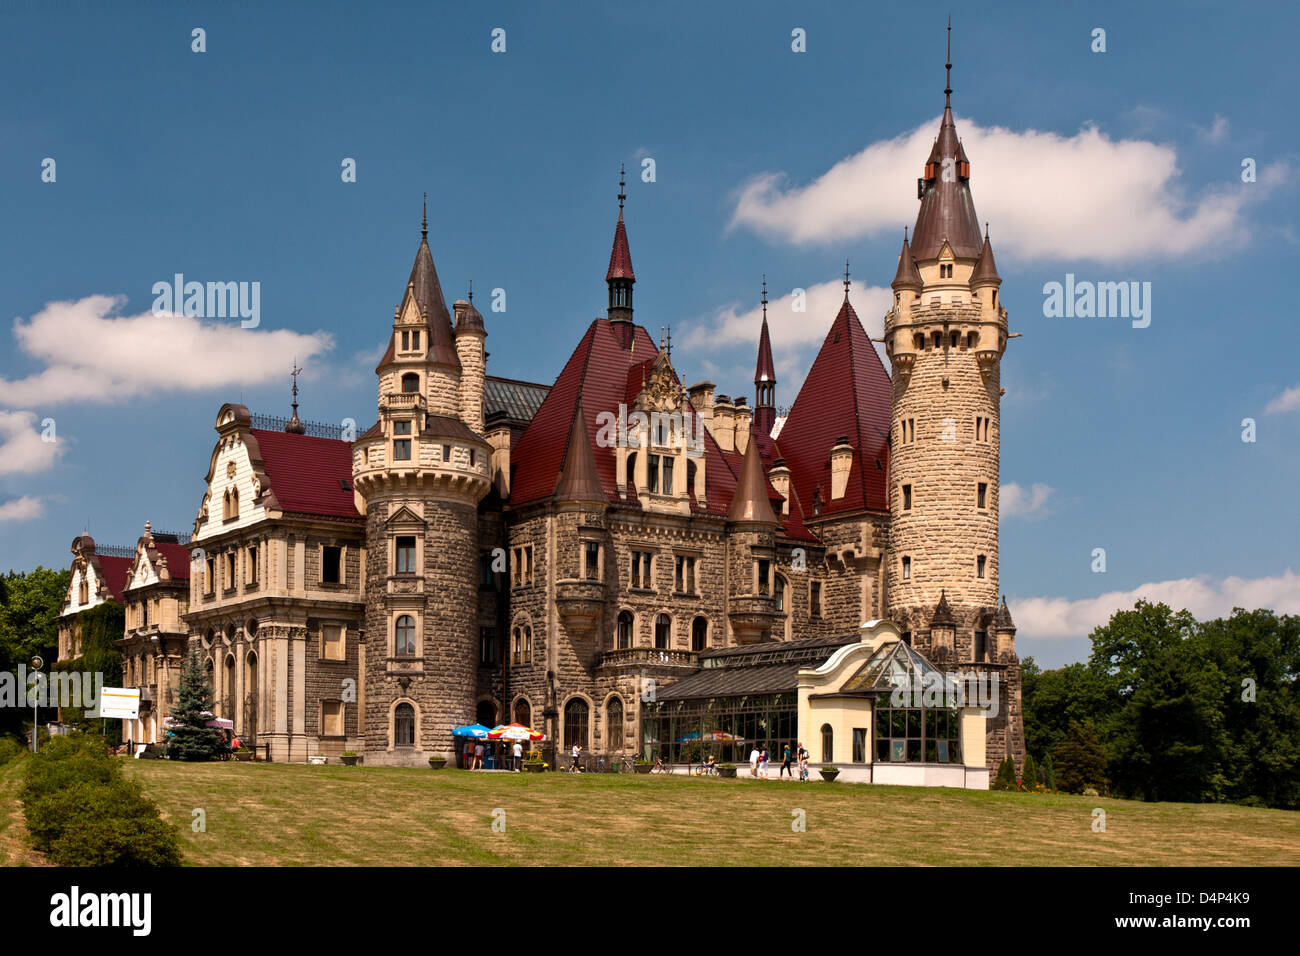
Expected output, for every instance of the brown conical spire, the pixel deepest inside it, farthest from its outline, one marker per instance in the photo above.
(750, 502)
(943, 613)
(764, 377)
(1003, 620)
(908, 275)
(578, 479)
(947, 209)
(620, 277)
(986, 269)
(427, 290)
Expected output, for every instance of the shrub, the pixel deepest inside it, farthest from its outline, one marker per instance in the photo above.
(1006, 778)
(9, 749)
(1029, 776)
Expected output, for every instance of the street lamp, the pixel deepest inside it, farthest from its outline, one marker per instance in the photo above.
(37, 663)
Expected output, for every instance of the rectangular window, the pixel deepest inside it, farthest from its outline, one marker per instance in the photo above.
(593, 560)
(859, 744)
(980, 563)
(815, 599)
(907, 497)
(764, 575)
(981, 495)
(230, 570)
(652, 473)
(331, 565)
(641, 570)
(331, 643)
(446, 454)
(685, 574)
(415, 340)
(401, 428)
(487, 579)
(405, 554)
(487, 646)
(907, 568)
(401, 449)
(210, 583)
(668, 476)
(331, 718)
(406, 341)
(252, 564)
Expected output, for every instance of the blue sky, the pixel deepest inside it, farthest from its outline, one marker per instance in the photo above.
(225, 165)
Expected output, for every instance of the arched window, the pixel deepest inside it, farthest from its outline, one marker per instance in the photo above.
(699, 633)
(614, 724)
(517, 648)
(663, 631)
(405, 633)
(404, 726)
(624, 629)
(229, 686)
(528, 643)
(410, 382)
(575, 723)
(234, 503)
(630, 477)
(828, 743)
(523, 712)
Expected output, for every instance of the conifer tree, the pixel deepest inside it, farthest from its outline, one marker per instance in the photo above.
(1006, 778)
(191, 738)
(1049, 773)
(1029, 778)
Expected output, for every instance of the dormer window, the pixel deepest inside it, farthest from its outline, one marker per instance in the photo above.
(945, 271)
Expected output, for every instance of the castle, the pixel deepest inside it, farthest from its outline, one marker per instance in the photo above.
(609, 557)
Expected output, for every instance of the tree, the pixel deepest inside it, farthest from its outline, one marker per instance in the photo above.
(191, 738)
(1080, 760)
(30, 602)
(1049, 773)
(1006, 778)
(1029, 776)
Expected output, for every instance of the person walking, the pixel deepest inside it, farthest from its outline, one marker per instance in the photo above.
(802, 756)
(518, 764)
(762, 763)
(785, 763)
(478, 756)
(577, 752)
(753, 761)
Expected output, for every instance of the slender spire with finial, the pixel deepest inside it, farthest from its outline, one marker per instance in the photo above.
(947, 92)
(846, 280)
(621, 193)
(471, 291)
(424, 218)
(295, 427)
(764, 297)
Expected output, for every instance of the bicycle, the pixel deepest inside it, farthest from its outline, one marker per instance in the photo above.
(660, 767)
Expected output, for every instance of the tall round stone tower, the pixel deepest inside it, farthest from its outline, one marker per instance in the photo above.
(421, 471)
(945, 336)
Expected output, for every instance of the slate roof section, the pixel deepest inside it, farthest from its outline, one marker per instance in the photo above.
(309, 475)
(947, 208)
(847, 392)
(770, 668)
(518, 400)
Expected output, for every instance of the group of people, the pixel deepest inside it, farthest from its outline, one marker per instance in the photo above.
(759, 761)
(473, 752)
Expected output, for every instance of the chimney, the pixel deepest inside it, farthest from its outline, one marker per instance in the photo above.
(841, 463)
(780, 478)
(744, 421)
(724, 423)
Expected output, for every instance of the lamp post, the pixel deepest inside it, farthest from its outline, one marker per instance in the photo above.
(37, 663)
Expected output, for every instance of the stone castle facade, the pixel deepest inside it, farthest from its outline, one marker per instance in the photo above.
(493, 550)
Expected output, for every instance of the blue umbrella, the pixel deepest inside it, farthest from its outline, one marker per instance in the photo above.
(471, 730)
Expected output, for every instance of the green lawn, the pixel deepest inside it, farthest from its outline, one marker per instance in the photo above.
(281, 814)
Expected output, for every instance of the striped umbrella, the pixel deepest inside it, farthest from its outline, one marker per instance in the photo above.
(515, 732)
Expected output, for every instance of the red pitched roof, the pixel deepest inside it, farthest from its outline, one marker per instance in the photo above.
(847, 393)
(178, 559)
(620, 257)
(305, 473)
(114, 572)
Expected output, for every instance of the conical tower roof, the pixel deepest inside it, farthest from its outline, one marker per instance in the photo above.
(986, 269)
(424, 285)
(766, 371)
(750, 502)
(943, 613)
(1003, 620)
(578, 480)
(908, 275)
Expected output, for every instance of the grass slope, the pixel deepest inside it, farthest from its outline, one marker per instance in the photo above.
(286, 815)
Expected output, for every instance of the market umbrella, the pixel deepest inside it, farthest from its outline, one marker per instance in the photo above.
(220, 723)
(515, 732)
(471, 730)
(714, 735)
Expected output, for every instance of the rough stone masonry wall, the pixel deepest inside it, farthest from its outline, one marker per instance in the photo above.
(844, 605)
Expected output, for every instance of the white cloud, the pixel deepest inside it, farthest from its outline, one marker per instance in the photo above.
(22, 451)
(1218, 131)
(1017, 502)
(1288, 401)
(1048, 197)
(795, 336)
(1044, 618)
(21, 509)
(91, 354)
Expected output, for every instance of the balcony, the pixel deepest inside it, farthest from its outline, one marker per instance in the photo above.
(751, 617)
(402, 401)
(580, 604)
(641, 656)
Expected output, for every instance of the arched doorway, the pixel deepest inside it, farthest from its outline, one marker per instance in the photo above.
(575, 723)
(523, 713)
(250, 700)
(486, 713)
(228, 688)
(404, 725)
